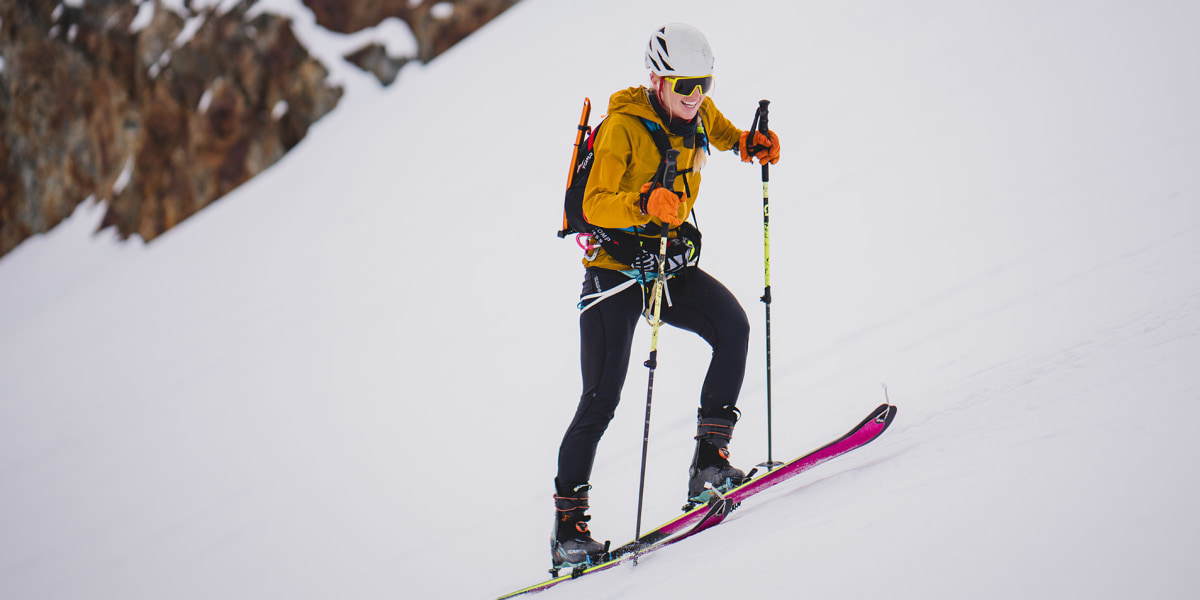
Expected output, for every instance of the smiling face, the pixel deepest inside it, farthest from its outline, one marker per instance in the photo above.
(677, 105)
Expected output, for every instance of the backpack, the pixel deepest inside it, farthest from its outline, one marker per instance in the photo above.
(622, 245)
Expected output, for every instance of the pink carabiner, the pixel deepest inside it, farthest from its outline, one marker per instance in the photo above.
(579, 239)
(590, 247)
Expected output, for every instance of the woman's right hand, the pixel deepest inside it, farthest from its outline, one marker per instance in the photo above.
(658, 201)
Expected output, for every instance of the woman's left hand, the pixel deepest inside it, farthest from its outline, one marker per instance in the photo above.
(765, 147)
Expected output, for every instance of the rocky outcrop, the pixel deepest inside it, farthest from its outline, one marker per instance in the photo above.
(437, 25)
(159, 117)
(159, 114)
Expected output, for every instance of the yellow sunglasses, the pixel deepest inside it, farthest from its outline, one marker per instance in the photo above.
(686, 86)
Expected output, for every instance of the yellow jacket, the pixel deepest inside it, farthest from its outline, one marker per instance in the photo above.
(626, 159)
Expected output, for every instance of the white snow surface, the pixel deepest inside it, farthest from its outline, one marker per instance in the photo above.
(349, 377)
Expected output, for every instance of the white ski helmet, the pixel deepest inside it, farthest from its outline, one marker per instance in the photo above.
(679, 50)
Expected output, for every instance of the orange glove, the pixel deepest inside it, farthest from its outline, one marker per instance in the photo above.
(658, 201)
(766, 149)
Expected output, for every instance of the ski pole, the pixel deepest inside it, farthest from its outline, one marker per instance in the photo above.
(660, 282)
(760, 123)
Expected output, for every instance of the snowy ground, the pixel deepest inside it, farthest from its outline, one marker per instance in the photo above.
(348, 378)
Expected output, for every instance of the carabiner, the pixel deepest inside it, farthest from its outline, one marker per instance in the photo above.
(591, 248)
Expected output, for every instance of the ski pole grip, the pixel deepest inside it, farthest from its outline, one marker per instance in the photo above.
(671, 170)
(762, 115)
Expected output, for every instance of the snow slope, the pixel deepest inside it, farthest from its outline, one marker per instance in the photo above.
(348, 378)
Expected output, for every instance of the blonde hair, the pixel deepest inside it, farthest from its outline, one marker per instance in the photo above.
(700, 158)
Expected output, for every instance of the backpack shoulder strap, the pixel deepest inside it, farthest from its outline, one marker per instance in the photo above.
(657, 133)
(660, 140)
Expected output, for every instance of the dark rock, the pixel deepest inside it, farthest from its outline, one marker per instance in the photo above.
(92, 105)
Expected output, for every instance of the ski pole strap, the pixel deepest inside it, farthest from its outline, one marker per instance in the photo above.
(753, 148)
(664, 296)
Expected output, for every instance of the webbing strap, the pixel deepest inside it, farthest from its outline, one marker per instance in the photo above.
(593, 299)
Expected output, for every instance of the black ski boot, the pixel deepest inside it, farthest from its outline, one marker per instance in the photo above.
(572, 545)
(710, 465)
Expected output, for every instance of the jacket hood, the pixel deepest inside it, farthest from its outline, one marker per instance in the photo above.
(633, 101)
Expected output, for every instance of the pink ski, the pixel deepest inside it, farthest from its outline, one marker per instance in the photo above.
(704, 516)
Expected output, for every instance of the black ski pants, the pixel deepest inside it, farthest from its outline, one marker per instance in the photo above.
(699, 303)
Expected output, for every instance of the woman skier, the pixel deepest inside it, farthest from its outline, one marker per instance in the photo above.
(620, 197)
